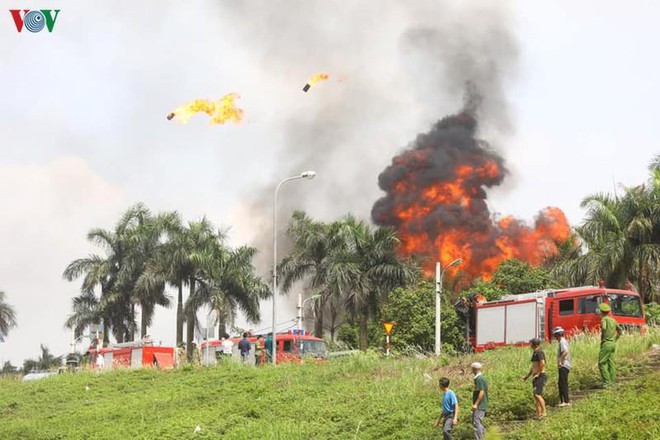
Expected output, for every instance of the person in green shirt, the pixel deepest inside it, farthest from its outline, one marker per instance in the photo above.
(479, 401)
(609, 334)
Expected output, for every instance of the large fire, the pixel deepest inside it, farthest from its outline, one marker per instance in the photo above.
(436, 200)
(221, 111)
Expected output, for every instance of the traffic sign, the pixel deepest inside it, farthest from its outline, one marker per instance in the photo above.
(388, 327)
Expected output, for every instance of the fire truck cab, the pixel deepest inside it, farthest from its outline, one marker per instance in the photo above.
(515, 319)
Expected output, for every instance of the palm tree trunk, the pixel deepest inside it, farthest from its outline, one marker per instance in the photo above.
(131, 324)
(318, 322)
(222, 322)
(190, 331)
(106, 333)
(334, 315)
(222, 329)
(143, 321)
(641, 285)
(362, 325)
(179, 315)
(190, 324)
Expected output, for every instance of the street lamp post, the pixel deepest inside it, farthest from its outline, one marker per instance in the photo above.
(301, 308)
(439, 273)
(209, 317)
(303, 175)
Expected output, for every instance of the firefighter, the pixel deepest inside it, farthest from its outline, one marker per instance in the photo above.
(609, 334)
(259, 348)
(181, 354)
(268, 345)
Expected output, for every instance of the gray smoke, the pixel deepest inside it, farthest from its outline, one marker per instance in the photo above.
(404, 65)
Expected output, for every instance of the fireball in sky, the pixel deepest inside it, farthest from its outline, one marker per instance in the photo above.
(316, 78)
(222, 111)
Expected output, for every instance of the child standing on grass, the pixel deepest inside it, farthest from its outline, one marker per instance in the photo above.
(449, 416)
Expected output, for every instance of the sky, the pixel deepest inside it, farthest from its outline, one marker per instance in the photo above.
(571, 92)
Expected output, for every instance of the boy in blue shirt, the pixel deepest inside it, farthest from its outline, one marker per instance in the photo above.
(449, 416)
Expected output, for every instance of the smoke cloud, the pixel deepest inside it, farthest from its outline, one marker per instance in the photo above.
(436, 200)
(394, 67)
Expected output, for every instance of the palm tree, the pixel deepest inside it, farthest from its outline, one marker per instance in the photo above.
(86, 311)
(174, 262)
(8, 368)
(312, 244)
(654, 195)
(46, 361)
(195, 261)
(7, 316)
(130, 249)
(101, 272)
(365, 269)
(140, 267)
(619, 234)
(232, 285)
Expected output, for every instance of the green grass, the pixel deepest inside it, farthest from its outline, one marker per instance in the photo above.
(627, 411)
(361, 397)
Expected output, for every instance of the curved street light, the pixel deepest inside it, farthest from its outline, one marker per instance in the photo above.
(304, 175)
(301, 308)
(439, 274)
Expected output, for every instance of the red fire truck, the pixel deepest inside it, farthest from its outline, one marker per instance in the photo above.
(133, 354)
(515, 319)
(292, 346)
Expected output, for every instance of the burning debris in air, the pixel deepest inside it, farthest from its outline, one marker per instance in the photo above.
(222, 111)
(316, 78)
(436, 200)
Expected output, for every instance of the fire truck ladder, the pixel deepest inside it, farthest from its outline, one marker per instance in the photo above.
(540, 309)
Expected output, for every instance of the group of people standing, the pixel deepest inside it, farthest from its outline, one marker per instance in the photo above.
(610, 333)
(262, 349)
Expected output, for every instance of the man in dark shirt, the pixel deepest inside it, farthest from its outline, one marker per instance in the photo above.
(537, 371)
(244, 347)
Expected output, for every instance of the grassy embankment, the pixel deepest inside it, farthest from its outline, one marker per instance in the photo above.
(363, 397)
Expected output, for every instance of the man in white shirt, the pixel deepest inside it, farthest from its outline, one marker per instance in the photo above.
(100, 361)
(227, 346)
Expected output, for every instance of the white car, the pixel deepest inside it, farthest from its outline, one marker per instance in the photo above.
(36, 375)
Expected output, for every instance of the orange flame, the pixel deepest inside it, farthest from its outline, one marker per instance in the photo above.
(512, 238)
(318, 77)
(436, 200)
(222, 111)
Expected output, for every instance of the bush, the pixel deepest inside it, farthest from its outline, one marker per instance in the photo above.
(348, 335)
(652, 312)
(413, 312)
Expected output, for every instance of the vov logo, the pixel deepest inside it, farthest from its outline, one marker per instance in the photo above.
(34, 20)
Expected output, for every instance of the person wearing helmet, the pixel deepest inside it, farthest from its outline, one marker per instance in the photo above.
(609, 334)
(564, 365)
